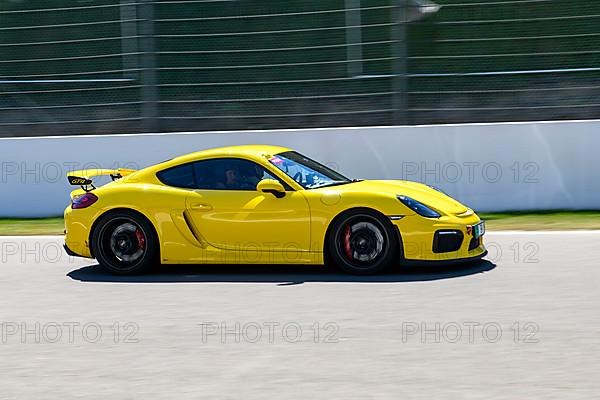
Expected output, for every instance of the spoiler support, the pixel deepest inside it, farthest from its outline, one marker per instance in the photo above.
(83, 178)
(85, 183)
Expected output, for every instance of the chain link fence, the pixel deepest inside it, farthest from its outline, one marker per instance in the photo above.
(128, 66)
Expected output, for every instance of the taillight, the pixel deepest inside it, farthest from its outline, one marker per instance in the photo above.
(84, 201)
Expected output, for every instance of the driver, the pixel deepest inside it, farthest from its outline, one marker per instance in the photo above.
(231, 179)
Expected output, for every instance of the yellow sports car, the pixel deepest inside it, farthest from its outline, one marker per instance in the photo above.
(263, 204)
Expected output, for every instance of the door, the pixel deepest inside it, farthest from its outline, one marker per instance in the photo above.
(229, 213)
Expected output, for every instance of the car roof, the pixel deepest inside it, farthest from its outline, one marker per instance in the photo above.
(255, 151)
(248, 150)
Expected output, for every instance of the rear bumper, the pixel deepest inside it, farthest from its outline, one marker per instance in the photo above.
(72, 253)
(77, 230)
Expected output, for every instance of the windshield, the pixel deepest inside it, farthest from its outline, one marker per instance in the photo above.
(308, 173)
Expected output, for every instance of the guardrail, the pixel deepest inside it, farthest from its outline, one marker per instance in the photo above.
(490, 167)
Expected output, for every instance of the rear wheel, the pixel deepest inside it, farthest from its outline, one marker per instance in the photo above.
(362, 243)
(124, 243)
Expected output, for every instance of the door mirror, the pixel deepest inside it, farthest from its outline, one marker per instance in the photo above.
(271, 186)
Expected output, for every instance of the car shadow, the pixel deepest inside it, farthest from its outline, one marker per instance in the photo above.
(282, 275)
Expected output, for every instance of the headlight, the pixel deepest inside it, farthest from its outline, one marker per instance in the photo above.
(418, 207)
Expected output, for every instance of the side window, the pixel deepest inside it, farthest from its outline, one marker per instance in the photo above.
(229, 174)
(181, 176)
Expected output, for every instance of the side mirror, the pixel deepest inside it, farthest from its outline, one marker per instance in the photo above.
(271, 186)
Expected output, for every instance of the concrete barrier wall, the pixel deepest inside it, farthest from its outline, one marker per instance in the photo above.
(490, 167)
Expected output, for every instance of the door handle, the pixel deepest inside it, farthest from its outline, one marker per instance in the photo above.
(201, 207)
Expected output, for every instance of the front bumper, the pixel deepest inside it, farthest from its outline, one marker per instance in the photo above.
(454, 261)
(422, 243)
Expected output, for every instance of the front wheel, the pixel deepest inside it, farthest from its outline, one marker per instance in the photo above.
(362, 243)
(124, 243)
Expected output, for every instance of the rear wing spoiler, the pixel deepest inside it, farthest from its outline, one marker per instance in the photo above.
(84, 177)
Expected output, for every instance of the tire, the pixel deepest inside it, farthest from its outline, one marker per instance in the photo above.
(125, 243)
(362, 242)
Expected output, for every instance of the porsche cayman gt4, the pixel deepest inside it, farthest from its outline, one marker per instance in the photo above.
(262, 204)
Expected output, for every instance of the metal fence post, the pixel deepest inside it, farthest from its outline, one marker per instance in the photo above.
(353, 38)
(150, 121)
(129, 42)
(399, 68)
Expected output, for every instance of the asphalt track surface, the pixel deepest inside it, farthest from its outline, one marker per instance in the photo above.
(404, 334)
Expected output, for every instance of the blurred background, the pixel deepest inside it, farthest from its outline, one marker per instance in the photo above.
(108, 66)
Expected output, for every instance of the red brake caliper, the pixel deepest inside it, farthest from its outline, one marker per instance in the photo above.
(140, 238)
(347, 246)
